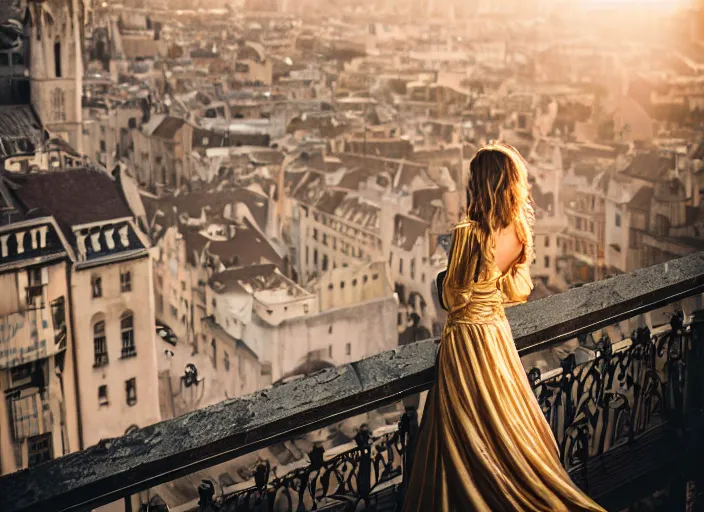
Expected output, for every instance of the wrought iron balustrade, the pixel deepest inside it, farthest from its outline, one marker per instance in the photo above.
(633, 410)
(628, 387)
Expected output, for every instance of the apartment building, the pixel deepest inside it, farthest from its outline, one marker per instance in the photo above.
(78, 315)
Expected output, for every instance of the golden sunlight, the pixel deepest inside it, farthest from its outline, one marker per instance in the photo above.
(664, 3)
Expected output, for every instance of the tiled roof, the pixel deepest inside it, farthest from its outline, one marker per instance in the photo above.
(247, 247)
(73, 197)
(642, 199)
(649, 166)
(168, 127)
(193, 204)
(229, 280)
(544, 201)
(407, 230)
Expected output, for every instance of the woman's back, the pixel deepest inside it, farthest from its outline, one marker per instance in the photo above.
(486, 267)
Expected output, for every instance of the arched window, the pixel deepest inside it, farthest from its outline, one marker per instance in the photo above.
(100, 345)
(58, 105)
(127, 335)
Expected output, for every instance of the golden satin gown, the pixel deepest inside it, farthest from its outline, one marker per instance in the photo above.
(484, 444)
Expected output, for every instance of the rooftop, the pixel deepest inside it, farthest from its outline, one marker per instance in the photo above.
(73, 197)
(20, 130)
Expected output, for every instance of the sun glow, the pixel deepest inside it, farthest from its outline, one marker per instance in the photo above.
(645, 5)
(635, 3)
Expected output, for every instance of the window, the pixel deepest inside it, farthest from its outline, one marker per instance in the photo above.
(39, 449)
(325, 239)
(618, 220)
(375, 277)
(103, 395)
(20, 373)
(173, 311)
(400, 266)
(214, 353)
(214, 302)
(226, 362)
(342, 285)
(127, 335)
(365, 278)
(57, 59)
(97, 285)
(422, 277)
(547, 241)
(4, 60)
(132, 123)
(17, 59)
(348, 349)
(315, 257)
(58, 105)
(25, 415)
(354, 282)
(330, 351)
(315, 234)
(413, 268)
(325, 262)
(126, 281)
(100, 345)
(103, 146)
(35, 289)
(547, 261)
(131, 391)
(183, 286)
(305, 308)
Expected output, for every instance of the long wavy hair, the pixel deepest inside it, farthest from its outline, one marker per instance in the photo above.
(498, 195)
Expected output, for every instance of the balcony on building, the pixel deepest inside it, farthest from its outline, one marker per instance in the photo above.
(624, 397)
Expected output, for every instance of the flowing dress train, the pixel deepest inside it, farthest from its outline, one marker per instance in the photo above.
(484, 444)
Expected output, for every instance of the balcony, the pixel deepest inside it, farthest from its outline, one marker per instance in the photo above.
(629, 419)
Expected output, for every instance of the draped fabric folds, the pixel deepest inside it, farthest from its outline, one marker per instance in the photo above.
(484, 443)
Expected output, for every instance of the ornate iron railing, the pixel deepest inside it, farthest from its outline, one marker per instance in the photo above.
(628, 387)
(632, 411)
(354, 477)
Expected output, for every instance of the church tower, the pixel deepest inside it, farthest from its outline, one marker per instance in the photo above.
(55, 35)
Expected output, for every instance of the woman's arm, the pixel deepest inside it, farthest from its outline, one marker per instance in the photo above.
(439, 282)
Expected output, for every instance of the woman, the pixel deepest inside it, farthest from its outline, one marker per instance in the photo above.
(484, 443)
